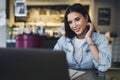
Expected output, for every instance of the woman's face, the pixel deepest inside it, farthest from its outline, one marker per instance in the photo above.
(77, 22)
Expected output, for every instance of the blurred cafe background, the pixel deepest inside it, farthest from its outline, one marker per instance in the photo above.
(39, 23)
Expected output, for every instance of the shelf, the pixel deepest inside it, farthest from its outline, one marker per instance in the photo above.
(50, 15)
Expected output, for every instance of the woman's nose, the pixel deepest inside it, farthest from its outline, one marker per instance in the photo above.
(74, 24)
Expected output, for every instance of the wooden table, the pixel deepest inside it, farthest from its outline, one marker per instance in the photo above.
(112, 74)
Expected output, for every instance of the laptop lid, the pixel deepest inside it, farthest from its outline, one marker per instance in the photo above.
(33, 64)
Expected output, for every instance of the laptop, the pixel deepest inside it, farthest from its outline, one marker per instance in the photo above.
(33, 64)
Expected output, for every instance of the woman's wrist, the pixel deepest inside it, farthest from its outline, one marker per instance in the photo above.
(90, 41)
(91, 44)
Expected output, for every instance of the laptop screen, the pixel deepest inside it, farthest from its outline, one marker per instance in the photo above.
(33, 64)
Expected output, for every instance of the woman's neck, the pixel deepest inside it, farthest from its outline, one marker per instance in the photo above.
(82, 36)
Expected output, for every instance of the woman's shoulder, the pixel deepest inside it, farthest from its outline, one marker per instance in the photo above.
(99, 36)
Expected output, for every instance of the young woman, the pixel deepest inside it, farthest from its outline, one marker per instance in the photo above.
(84, 47)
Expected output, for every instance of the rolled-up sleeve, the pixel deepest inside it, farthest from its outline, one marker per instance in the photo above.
(104, 62)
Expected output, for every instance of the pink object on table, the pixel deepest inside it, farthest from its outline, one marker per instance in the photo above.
(30, 41)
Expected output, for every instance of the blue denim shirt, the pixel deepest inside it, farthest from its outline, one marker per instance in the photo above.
(65, 44)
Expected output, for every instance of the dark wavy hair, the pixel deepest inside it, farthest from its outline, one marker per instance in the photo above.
(74, 8)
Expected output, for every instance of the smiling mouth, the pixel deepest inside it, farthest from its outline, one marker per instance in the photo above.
(77, 30)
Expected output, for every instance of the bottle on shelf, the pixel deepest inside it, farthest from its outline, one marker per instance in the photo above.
(27, 30)
(34, 30)
(41, 30)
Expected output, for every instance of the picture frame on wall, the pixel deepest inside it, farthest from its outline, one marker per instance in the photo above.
(104, 16)
(20, 8)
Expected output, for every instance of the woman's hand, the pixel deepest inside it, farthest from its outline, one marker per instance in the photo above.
(89, 32)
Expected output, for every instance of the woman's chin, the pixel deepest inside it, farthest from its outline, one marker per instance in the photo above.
(78, 33)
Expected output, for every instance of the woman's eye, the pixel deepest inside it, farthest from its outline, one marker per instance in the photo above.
(77, 19)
